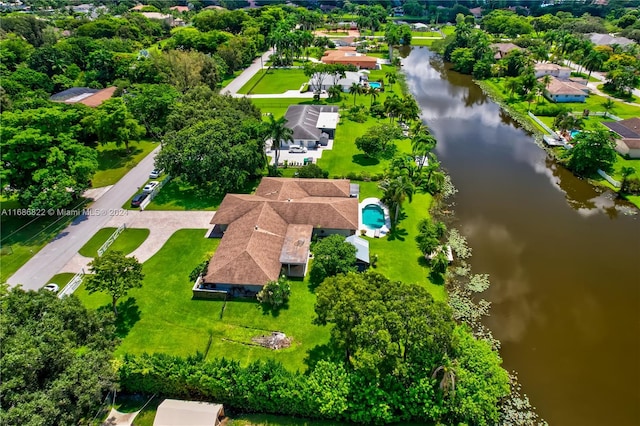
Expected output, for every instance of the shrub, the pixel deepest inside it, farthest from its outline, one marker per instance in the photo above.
(312, 171)
(275, 293)
(631, 186)
(550, 110)
(200, 270)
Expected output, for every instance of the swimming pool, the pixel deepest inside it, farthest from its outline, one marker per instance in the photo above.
(574, 133)
(375, 85)
(373, 216)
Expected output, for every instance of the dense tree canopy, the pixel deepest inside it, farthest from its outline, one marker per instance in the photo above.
(593, 150)
(55, 361)
(42, 160)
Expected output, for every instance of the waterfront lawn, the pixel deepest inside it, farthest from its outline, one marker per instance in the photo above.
(277, 80)
(114, 162)
(422, 41)
(162, 317)
(177, 195)
(398, 255)
(24, 236)
(129, 240)
(593, 102)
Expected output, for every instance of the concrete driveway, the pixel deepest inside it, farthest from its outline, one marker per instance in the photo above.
(161, 225)
(54, 256)
(233, 87)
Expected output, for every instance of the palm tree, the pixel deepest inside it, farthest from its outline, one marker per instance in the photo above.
(608, 105)
(335, 91)
(396, 191)
(448, 382)
(278, 131)
(512, 85)
(373, 92)
(393, 107)
(391, 78)
(422, 144)
(355, 90)
(594, 61)
(529, 97)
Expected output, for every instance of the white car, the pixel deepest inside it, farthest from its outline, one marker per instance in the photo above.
(297, 149)
(52, 287)
(155, 173)
(150, 186)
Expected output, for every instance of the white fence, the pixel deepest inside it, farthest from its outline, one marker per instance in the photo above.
(609, 179)
(72, 285)
(111, 239)
(153, 193)
(544, 126)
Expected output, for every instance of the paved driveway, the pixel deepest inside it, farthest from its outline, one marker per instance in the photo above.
(161, 225)
(54, 256)
(233, 87)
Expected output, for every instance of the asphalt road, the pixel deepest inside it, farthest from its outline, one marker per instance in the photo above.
(233, 87)
(55, 255)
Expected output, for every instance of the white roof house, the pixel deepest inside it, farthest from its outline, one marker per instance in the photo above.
(327, 120)
(174, 412)
(346, 82)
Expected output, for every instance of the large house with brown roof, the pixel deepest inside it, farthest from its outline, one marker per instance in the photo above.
(267, 234)
(347, 55)
(554, 70)
(628, 140)
(502, 49)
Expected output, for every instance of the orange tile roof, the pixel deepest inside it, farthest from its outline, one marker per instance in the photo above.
(99, 97)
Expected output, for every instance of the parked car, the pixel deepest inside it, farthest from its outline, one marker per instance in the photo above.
(138, 199)
(297, 149)
(52, 287)
(150, 186)
(155, 173)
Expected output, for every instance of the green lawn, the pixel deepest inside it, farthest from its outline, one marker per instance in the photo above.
(275, 81)
(24, 236)
(398, 255)
(129, 240)
(422, 41)
(176, 195)
(114, 162)
(162, 317)
(61, 279)
(426, 34)
(448, 29)
(229, 78)
(593, 102)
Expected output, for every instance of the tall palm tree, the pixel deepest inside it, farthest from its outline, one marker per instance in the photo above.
(355, 90)
(512, 84)
(373, 92)
(278, 131)
(546, 80)
(422, 144)
(608, 105)
(396, 191)
(335, 91)
(393, 107)
(392, 77)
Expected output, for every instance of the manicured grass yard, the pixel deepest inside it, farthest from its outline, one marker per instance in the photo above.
(164, 318)
(114, 162)
(176, 195)
(129, 240)
(398, 255)
(275, 81)
(422, 41)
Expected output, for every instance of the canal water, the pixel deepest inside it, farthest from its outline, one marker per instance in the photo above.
(563, 257)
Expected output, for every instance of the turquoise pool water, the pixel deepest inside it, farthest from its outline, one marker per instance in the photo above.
(373, 216)
(574, 133)
(375, 85)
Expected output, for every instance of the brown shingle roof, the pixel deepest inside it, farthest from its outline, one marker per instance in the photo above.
(99, 97)
(259, 225)
(557, 87)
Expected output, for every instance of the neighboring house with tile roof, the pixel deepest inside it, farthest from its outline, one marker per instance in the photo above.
(268, 233)
(554, 70)
(502, 49)
(608, 40)
(84, 95)
(628, 140)
(565, 91)
(312, 125)
(347, 55)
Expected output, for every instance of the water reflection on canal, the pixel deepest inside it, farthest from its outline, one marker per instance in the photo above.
(564, 258)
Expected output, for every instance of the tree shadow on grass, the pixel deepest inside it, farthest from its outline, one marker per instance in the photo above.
(274, 311)
(128, 316)
(117, 158)
(363, 160)
(397, 233)
(436, 278)
(327, 352)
